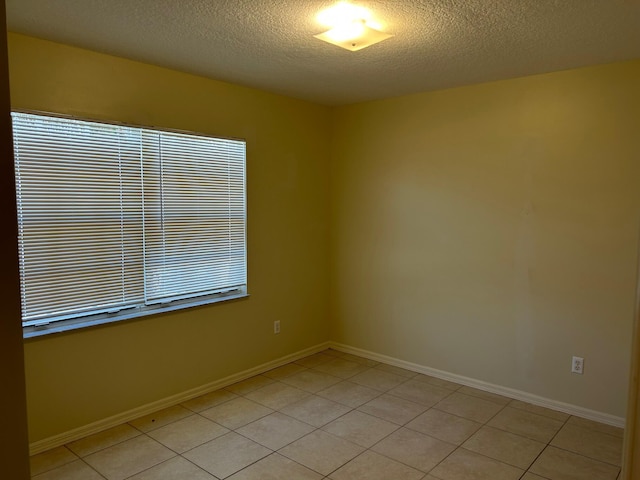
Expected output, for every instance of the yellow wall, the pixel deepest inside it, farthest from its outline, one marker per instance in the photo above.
(491, 231)
(76, 378)
(488, 231)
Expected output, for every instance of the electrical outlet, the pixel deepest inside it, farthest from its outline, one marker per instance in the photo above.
(577, 365)
(276, 327)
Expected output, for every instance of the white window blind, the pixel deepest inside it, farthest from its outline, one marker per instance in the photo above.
(194, 215)
(114, 217)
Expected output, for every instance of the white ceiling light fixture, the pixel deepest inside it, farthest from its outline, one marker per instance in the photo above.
(352, 27)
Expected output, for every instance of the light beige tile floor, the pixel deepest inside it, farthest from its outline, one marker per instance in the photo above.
(338, 416)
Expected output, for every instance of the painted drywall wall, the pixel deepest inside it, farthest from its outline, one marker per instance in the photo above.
(76, 378)
(487, 231)
(491, 231)
(13, 412)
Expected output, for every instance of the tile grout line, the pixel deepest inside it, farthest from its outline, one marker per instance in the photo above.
(403, 426)
(92, 468)
(282, 413)
(458, 447)
(486, 424)
(340, 379)
(547, 445)
(503, 406)
(541, 451)
(315, 428)
(584, 456)
(355, 409)
(76, 457)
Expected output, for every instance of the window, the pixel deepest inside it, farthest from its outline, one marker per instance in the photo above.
(117, 221)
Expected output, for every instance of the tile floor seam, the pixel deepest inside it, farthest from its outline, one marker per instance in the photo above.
(496, 414)
(314, 426)
(213, 421)
(303, 368)
(398, 427)
(444, 398)
(390, 392)
(488, 457)
(536, 474)
(102, 476)
(471, 396)
(181, 454)
(431, 406)
(571, 452)
(444, 459)
(217, 404)
(108, 446)
(353, 383)
(368, 448)
(191, 413)
(165, 446)
(486, 423)
(319, 372)
(147, 469)
(368, 401)
(435, 407)
(244, 394)
(227, 388)
(564, 424)
(520, 404)
(504, 461)
(382, 392)
(77, 457)
(267, 406)
(152, 466)
(458, 447)
(356, 408)
(406, 464)
(337, 468)
(446, 413)
(262, 445)
(305, 466)
(293, 441)
(343, 378)
(548, 444)
(394, 460)
(584, 456)
(455, 447)
(400, 424)
(245, 467)
(195, 465)
(353, 396)
(593, 430)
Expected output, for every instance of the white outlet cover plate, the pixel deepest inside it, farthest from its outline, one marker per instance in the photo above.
(577, 365)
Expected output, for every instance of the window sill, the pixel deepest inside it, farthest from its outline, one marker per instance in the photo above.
(86, 322)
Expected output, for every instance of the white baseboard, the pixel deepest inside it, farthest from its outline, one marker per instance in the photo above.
(113, 421)
(100, 425)
(487, 387)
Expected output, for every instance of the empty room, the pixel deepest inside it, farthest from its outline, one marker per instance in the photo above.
(260, 239)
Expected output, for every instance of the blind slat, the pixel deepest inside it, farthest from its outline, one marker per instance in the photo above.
(112, 216)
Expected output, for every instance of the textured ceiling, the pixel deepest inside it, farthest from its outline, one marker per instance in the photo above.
(269, 44)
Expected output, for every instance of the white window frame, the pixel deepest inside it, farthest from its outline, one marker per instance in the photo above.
(197, 207)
